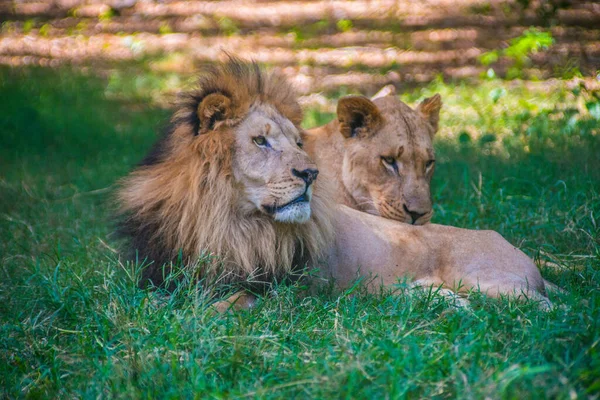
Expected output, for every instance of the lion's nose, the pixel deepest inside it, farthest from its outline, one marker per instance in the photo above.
(415, 215)
(308, 175)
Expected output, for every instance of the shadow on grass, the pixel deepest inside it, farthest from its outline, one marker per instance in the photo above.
(74, 322)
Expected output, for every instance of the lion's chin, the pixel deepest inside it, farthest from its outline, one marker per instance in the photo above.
(296, 213)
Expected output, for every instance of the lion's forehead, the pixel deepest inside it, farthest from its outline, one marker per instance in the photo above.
(407, 141)
(286, 126)
(261, 115)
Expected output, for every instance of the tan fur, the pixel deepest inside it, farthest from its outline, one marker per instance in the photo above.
(210, 188)
(353, 159)
(386, 252)
(195, 200)
(349, 156)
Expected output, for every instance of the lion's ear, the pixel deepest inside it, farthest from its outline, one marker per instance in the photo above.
(358, 116)
(212, 110)
(430, 110)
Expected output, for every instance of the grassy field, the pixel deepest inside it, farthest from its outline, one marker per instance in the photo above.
(522, 159)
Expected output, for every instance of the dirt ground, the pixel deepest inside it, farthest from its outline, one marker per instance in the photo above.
(321, 45)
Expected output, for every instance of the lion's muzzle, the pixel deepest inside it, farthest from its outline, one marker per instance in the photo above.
(308, 175)
(295, 211)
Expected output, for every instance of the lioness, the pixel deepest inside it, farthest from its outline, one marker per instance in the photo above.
(379, 155)
(231, 180)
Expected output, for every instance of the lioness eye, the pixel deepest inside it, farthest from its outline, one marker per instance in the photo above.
(429, 164)
(300, 144)
(389, 160)
(260, 141)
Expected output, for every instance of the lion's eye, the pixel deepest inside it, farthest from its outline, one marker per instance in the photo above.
(300, 144)
(391, 161)
(429, 164)
(260, 141)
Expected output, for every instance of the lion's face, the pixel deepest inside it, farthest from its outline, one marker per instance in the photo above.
(389, 159)
(275, 174)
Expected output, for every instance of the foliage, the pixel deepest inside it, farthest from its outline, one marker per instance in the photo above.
(519, 51)
(44, 30)
(165, 28)
(227, 26)
(108, 14)
(28, 25)
(309, 31)
(74, 324)
(344, 25)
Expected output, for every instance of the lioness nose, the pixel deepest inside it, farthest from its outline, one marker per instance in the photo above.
(307, 175)
(415, 215)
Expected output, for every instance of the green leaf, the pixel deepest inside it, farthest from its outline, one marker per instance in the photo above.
(487, 138)
(344, 25)
(489, 57)
(496, 94)
(464, 138)
(594, 109)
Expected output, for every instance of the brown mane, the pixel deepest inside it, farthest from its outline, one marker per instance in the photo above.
(179, 204)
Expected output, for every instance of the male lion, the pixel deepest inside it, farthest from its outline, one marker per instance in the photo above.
(231, 180)
(379, 155)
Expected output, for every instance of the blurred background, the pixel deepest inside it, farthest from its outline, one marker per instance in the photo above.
(152, 48)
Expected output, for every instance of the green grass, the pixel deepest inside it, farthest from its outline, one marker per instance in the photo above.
(74, 324)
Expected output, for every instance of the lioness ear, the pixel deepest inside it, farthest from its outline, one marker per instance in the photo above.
(358, 116)
(430, 109)
(387, 90)
(213, 109)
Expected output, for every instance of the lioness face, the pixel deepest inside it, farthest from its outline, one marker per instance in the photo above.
(389, 158)
(275, 173)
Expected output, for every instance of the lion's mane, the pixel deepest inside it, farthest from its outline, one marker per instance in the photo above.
(178, 205)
